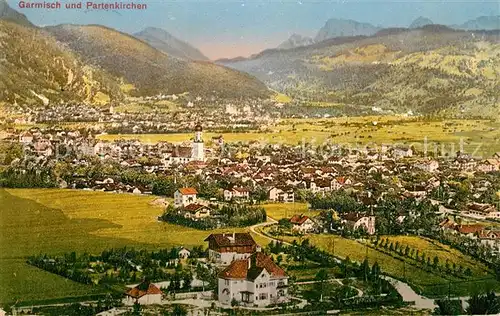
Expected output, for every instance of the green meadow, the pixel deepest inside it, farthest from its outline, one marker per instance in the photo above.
(34, 221)
(448, 136)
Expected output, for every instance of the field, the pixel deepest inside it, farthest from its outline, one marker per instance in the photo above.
(35, 221)
(427, 283)
(278, 211)
(443, 252)
(479, 136)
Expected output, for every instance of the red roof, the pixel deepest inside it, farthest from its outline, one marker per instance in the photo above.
(251, 267)
(188, 191)
(194, 207)
(145, 288)
(470, 229)
(298, 219)
(224, 240)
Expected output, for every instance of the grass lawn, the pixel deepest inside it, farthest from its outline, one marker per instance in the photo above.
(433, 248)
(34, 221)
(480, 135)
(278, 211)
(427, 283)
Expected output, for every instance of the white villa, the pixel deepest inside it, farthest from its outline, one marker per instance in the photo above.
(279, 195)
(254, 281)
(359, 220)
(302, 224)
(185, 196)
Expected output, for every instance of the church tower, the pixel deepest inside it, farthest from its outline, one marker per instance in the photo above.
(198, 145)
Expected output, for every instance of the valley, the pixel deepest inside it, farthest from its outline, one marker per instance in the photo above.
(352, 167)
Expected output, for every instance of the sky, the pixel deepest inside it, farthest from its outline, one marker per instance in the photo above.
(231, 28)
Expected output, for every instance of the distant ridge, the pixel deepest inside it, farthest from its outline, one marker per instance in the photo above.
(486, 23)
(7, 13)
(296, 40)
(166, 42)
(342, 27)
(150, 70)
(420, 22)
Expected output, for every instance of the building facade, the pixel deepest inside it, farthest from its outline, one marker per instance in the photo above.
(185, 196)
(198, 144)
(225, 248)
(254, 281)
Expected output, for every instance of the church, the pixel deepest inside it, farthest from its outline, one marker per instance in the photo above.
(196, 152)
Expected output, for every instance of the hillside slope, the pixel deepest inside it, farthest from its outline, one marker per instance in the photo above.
(166, 42)
(37, 70)
(152, 71)
(427, 70)
(7, 13)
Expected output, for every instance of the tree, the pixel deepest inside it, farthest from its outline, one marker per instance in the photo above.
(375, 271)
(484, 304)
(179, 310)
(448, 307)
(468, 272)
(285, 223)
(187, 278)
(322, 278)
(365, 269)
(279, 259)
(435, 262)
(136, 309)
(407, 251)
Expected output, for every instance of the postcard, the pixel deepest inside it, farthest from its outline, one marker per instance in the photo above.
(249, 157)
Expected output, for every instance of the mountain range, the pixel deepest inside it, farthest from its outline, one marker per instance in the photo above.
(7, 13)
(296, 40)
(362, 69)
(166, 42)
(431, 69)
(345, 28)
(97, 64)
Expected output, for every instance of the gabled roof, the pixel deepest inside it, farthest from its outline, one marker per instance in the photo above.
(188, 191)
(250, 268)
(298, 219)
(144, 288)
(224, 240)
(193, 208)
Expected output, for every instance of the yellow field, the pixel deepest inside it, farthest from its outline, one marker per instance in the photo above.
(34, 221)
(443, 252)
(278, 211)
(480, 135)
(421, 280)
(133, 217)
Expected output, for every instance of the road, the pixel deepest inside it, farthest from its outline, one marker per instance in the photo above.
(270, 221)
(409, 295)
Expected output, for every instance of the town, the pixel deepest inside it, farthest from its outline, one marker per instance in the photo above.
(360, 196)
(220, 158)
